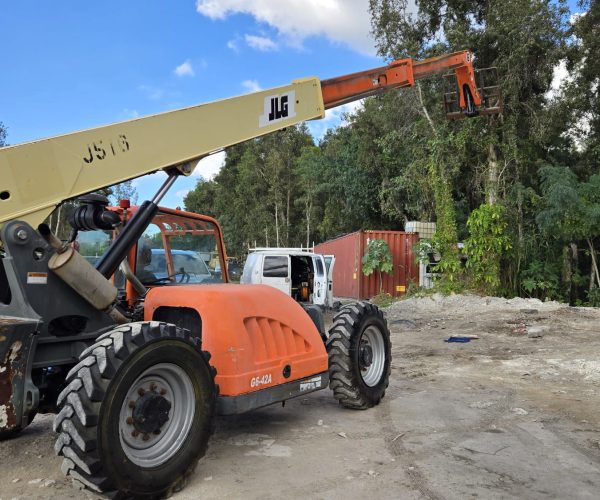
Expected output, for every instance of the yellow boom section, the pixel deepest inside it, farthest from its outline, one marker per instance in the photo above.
(35, 177)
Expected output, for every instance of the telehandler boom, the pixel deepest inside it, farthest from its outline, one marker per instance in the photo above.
(129, 331)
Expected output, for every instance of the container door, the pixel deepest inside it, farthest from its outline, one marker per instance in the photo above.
(320, 286)
(276, 272)
(329, 263)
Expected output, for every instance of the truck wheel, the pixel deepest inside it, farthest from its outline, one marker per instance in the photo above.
(137, 412)
(360, 356)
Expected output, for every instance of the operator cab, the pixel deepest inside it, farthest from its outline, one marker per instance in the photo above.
(177, 248)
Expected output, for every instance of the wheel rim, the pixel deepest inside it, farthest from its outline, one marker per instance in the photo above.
(147, 439)
(371, 355)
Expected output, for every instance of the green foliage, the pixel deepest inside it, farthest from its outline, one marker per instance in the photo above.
(2, 135)
(540, 281)
(486, 245)
(398, 158)
(378, 258)
(594, 297)
(124, 191)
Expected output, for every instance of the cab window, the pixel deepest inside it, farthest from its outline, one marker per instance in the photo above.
(179, 250)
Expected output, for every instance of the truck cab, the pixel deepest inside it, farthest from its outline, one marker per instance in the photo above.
(299, 273)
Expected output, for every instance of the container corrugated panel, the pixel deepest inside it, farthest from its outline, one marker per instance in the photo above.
(405, 266)
(347, 268)
(348, 279)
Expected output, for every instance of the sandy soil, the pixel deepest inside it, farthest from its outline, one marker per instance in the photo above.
(514, 413)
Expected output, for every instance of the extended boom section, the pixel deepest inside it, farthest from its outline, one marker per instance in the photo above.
(38, 176)
(404, 72)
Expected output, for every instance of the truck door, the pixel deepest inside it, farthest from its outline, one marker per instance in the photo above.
(320, 283)
(329, 263)
(276, 272)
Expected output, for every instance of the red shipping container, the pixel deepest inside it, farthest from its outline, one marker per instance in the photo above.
(348, 279)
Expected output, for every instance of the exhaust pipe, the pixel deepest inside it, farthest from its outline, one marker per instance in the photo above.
(81, 276)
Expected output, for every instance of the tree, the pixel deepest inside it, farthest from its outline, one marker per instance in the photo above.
(478, 161)
(486, 245)
(2, 135)
(571, 211)
(123, 191)
(377, 258)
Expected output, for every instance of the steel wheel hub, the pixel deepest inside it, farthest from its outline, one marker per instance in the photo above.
(371, 355)
(151, 412)
(157, 415)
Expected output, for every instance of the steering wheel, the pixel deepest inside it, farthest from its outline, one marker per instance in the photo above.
(185, 278)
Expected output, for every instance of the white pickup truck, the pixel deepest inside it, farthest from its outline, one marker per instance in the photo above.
(303, 275)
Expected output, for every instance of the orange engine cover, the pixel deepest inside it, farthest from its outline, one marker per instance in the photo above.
(252, 332)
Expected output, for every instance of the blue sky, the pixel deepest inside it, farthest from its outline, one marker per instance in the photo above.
(70, 65)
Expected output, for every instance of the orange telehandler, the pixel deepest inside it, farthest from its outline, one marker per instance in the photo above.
(128, 332)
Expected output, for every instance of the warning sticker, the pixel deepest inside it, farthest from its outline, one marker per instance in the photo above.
(310, 384)
(37, 278)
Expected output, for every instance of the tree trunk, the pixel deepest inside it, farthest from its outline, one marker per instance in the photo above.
(493, 178)
(287, 219)
(58, 220)
(567, 274)
(574, 266)
(308, 211)
(594, 272)
(276, 225)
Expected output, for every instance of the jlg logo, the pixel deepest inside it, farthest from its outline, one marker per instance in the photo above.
(277, 108)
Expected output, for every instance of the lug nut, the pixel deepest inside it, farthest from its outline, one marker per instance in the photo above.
(141, 391)
(163, 392)
(146, 437)
(135, 433)
(131, 404)
(129, 420)
(157, 432)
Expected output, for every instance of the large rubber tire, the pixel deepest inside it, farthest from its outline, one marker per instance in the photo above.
(93, 438)
(355, 382)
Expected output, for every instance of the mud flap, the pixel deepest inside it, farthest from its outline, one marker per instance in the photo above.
(18, 395)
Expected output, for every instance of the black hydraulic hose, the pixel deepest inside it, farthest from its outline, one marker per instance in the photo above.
(132, 231)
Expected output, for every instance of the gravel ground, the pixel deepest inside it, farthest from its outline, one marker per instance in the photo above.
(513, 413)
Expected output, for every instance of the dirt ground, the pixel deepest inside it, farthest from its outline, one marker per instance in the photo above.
(515, 413)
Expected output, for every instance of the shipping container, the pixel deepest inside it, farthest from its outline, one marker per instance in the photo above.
(348, 278)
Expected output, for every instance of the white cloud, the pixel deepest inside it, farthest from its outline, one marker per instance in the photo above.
(210, 166)
(182, 193)
(251, 86)
(233, 45)
(184, 69)
(262, 43)
(341, 21)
